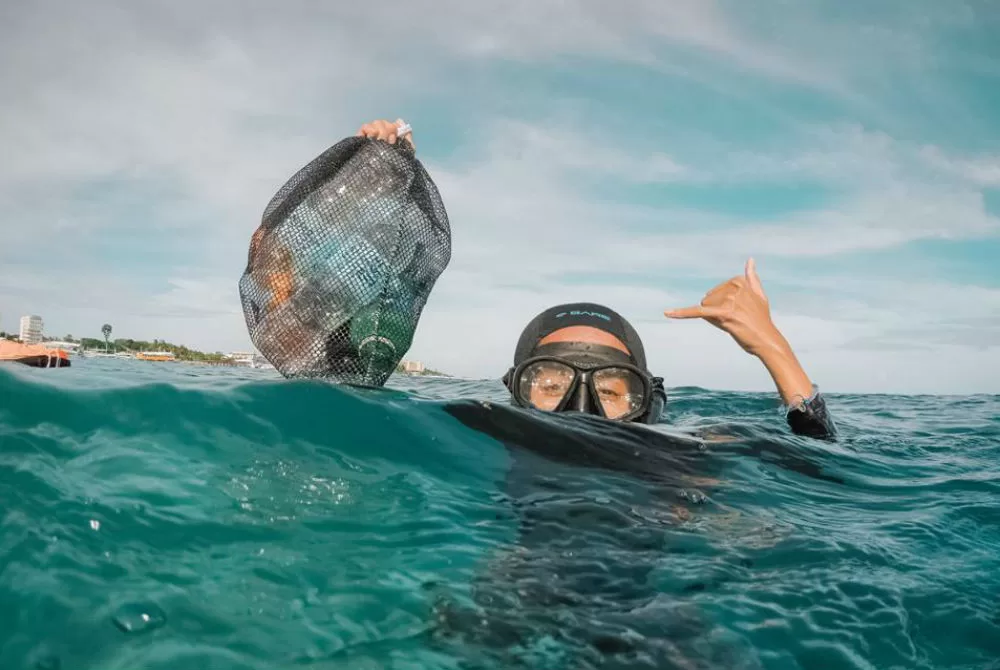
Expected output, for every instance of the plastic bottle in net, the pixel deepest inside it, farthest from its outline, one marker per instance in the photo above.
(343, 263)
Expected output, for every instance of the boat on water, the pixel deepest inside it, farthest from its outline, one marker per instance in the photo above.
(161, 356)
(35, 355)
(258, 362)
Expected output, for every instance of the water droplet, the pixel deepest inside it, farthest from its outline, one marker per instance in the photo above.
(694, 495)
(95, 524)
(139, 617)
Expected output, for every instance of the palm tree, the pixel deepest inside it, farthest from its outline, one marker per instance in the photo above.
(106, 329)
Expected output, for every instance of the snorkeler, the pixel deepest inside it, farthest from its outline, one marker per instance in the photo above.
(587, 358)
(584, 357)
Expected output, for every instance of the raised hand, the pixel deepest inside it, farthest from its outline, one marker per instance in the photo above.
(739, 307)
(385, 130)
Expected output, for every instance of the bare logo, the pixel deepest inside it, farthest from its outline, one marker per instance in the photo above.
(576, 312)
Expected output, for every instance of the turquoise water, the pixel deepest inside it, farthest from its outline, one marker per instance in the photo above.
(174, 516)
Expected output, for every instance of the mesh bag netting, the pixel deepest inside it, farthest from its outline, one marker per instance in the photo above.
(341, 266)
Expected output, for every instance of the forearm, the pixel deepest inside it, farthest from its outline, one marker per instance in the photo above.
(791, 379)
(807, 413)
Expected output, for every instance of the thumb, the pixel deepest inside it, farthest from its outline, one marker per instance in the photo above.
(695, 312)
(753, 279)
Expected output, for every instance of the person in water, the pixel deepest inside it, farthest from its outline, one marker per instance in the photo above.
(585, 357)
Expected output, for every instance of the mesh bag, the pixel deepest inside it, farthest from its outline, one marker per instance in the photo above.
(342, 264)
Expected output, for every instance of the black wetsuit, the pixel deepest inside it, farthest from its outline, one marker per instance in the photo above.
(595, 503)
(811, 418)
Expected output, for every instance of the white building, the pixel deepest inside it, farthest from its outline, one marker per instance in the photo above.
(65, 346)
(413, 366)
(243, 358)
(31, 329)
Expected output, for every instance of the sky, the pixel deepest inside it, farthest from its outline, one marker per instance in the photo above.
(632, 153)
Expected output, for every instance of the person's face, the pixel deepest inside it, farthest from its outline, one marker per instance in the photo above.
(551, 380)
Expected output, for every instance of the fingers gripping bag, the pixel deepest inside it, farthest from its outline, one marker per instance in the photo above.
(343, 262)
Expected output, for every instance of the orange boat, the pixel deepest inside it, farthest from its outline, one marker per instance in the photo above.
(155, 356)
(35, 355)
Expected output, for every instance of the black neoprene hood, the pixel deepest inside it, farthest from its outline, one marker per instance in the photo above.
(580, 314)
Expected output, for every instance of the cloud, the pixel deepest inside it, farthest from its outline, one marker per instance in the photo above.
(567, 151)
(981, 171)
(873, 221)
(527, 187)
(524, 226)
(142, 141)
(631, 31)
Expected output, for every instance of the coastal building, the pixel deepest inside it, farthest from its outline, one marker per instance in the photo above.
(65, 346)
(250, 359)
(243, 358)
(31, 329)
(413, 366)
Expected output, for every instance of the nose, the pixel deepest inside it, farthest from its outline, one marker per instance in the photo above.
(581, 400)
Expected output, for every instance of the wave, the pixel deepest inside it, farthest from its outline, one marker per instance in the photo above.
(163, 517)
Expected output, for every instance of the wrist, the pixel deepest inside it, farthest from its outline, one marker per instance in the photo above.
(800, 402)
(772, 346)
(792, 382)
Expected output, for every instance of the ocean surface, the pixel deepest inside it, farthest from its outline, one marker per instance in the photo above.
(157, 515)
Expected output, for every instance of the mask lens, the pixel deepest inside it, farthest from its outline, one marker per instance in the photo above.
(619, 390)
(544, 384)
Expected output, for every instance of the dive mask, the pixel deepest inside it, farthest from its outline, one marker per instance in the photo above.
(589, 378)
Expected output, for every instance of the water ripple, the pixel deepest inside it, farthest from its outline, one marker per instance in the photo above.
(176, 516)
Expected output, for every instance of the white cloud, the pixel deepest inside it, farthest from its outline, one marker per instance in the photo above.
(887, 346)
(521, 225)
(982, 171)
(521, 222)
(843, 155)
(565, 150)
(867, 222)
(213, 110)
(631, 31)
(101, 89)
(522, 196)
